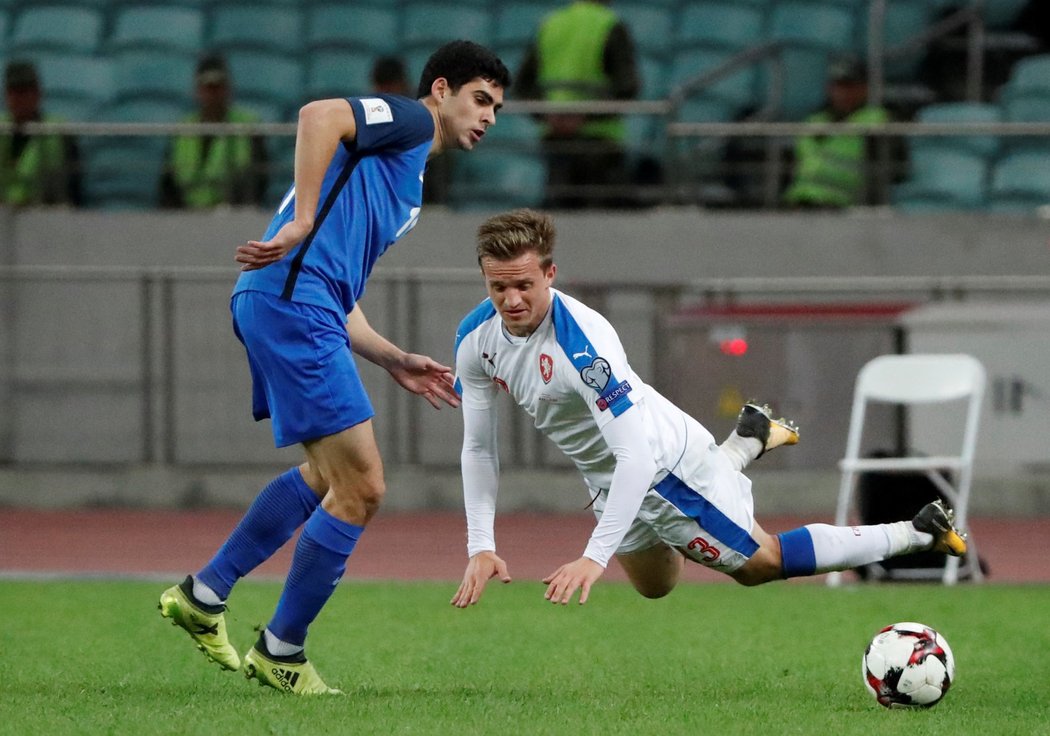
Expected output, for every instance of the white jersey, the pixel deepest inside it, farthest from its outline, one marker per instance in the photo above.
(572, 377)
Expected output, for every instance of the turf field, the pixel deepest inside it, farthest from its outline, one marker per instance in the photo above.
(94, 657)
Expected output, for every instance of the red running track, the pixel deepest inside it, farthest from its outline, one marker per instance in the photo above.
(397, 546)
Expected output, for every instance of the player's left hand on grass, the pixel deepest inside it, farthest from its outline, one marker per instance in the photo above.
(580, 574)
(428, 378)
(482, 567)
(256, 254)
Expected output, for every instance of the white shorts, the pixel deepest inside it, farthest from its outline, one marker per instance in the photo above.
(703, 508)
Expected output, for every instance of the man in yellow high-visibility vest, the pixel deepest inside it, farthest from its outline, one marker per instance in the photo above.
(582, 52)
(34, 169)
(205, 171)
(832, 170)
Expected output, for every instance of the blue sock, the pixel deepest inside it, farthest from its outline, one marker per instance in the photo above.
(797, 556)
(278, 510)
(318, 564)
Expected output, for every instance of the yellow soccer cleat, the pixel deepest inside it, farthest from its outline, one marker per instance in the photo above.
(205, 624)
(937, 519)
(756, 420)
(292, 674)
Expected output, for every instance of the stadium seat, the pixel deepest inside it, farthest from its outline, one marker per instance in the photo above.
(960, 112)
(517, 21)
(335, 25)
(651, 26)
(282, 167)
(654, 76)
(736, 91)
(255, 27)
(157, 28)
(904, 20)
(1000, 14)
(1021, 182)
(813, 25)
(719, 24)
(429, 24)
(159, 75)
(74, 83)
(497, 180)
(1029, 77)
(122, 172)
(519, 133)
(60, 28)
(956, 177)
(338, 73)
(5, 25)
(267, 81)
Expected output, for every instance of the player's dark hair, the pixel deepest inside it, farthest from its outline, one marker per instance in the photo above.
(459, 62)
(505, 237)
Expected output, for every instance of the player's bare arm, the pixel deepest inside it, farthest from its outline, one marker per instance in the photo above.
(481, 568)
(416, 373)
(322, 125)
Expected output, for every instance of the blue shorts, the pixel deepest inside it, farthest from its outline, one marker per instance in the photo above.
(304, 378)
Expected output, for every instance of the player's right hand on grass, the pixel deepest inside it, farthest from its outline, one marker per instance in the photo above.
(482, 567)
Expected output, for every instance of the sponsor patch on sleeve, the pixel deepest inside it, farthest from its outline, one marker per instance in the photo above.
(376, 111)
(615, 398)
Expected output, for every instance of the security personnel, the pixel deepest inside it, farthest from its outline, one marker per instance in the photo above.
(830, 170)
(582, 52)
(205, 171)
(39, 169)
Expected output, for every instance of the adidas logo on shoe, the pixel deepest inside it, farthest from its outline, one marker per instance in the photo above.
(287, 678)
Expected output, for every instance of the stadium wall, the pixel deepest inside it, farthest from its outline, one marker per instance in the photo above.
(660, 246)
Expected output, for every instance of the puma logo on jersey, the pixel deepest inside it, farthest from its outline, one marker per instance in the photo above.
(585, 354)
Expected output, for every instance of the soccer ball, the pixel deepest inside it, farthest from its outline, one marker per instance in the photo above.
(908, 665)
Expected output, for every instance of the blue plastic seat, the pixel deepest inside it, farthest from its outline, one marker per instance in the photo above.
(338, 73)
(497, 180)
(736, 91)
(1000, 14)
(5, 24)
(654, 75)
(1021, 181)
(651, 26)
(960, 112)
(517, 133)
(335, 25)
(1030, 76)
(719, 24)
(256, 27)
(157, 28)
(74, 81)
(61, 28)
(122, 173)
(272, 83)
(813, 25)
(159, 75)
(955, 177)
(430, 24)
(517, 22)
(904, 20)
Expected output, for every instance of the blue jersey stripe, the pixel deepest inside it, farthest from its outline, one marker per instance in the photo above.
(333, 194)
(477, 317)
(582, 355)
(706, 514)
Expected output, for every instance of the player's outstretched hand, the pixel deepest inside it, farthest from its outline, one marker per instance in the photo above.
(256, 254)
(482, 567)
(426, 377)
(580, 574)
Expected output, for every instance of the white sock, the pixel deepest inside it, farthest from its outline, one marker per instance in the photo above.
(741, 450)
(279, 648)
(206, 595)
(843, 547)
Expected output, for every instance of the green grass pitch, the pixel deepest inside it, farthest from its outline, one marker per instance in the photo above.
(94, 657)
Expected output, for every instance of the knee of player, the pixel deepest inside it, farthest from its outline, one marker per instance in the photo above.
(652, 593)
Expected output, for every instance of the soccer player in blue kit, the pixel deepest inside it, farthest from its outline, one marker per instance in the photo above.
(359, 165)
(663, 490)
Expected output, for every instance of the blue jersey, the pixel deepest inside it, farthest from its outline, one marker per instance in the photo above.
(371, 196)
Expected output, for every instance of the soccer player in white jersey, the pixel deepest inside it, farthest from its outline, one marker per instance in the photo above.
(359, 165)
(664, 490)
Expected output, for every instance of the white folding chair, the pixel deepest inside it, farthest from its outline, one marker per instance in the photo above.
(918, 379)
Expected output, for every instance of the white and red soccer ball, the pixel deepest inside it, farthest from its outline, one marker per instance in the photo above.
(908, 665)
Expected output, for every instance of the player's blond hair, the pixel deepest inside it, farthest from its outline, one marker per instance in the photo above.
(509, 235)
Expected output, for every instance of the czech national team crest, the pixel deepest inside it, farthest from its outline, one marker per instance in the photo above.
(546, 367)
